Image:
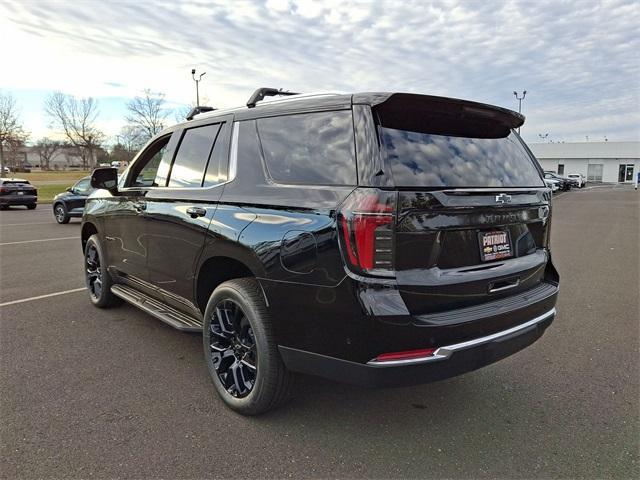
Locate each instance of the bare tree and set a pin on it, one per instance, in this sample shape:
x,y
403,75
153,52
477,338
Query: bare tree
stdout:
x,y
46,149
148,113
130,139
76,119
12,133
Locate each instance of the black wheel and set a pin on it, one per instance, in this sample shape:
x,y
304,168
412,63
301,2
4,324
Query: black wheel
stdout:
x,y
240,351
3,207
32,206
97,277
60,212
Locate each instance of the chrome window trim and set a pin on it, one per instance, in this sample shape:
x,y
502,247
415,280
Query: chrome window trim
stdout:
x,y
443,353
231,173
233,154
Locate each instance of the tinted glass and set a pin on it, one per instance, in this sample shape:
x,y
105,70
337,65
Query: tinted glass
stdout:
x,y
151,160
428,160
311,148
217,167
193,153
83,186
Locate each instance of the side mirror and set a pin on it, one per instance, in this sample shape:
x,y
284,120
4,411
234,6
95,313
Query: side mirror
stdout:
x,y
105,178
68,189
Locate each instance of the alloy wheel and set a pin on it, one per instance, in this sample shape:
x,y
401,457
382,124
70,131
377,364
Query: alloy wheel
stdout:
x,y
233,348
59,214
94,274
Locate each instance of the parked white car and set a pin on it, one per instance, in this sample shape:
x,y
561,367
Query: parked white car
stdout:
x,y
554,185
579,177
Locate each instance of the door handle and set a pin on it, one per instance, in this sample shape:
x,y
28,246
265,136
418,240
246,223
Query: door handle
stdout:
x,y
195,212
140,206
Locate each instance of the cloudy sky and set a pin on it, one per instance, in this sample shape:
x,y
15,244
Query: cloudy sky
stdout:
x,y
578,60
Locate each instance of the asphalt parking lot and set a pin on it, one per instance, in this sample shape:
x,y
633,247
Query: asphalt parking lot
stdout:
x,y
115,393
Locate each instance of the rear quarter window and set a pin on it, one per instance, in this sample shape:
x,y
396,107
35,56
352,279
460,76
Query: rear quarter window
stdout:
x,y
310,148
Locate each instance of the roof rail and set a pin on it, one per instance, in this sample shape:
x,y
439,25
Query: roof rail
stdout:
x,y
196,110
260,93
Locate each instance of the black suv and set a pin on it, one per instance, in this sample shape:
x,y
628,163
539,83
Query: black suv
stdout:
x,y
16,191
380,239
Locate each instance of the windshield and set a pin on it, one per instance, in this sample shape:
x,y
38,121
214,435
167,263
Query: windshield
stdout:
x,y
429,160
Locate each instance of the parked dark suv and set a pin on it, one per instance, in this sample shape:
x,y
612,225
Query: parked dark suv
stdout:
x,y
380,239
16,191
70,203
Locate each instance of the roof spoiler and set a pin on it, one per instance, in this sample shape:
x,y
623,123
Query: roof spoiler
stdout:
x,y
449,106
260,93
197,110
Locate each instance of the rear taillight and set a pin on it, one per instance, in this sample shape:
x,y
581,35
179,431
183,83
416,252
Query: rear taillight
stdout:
x,y
3,190
366,222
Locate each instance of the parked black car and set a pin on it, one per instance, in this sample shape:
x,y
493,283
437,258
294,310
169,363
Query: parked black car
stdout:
x,y
17,191
565,183
70,203
380,239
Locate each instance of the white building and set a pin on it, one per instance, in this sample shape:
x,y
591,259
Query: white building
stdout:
x,y
597,161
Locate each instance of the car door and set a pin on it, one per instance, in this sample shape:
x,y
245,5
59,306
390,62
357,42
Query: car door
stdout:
x,y
125,222
79,192
178,214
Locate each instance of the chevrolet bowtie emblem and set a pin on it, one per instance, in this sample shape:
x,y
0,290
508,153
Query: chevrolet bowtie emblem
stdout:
x,y
503,198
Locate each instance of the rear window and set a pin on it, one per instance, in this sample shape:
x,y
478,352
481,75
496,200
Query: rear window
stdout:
x,y
15,182
429,160
311,148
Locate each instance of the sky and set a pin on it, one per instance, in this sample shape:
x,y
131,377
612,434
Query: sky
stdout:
x,y
579,60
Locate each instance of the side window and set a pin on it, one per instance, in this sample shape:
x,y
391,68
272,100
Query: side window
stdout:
x,y
218,162
145,169
312,148
83,186
192,156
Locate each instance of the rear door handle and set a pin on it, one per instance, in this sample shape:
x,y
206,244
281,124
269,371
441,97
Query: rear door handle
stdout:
x,y
195,212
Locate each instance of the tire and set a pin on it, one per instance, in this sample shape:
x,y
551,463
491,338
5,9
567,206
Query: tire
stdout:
x,y
97,277
32,206
240,350
61,214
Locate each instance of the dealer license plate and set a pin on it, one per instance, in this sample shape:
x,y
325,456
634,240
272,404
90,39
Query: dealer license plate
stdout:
x,y
494,245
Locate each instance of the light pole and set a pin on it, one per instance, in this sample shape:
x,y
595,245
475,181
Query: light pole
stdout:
x,y
193,75
524,94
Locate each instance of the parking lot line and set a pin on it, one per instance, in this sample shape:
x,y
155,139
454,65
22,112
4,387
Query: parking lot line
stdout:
x,y
40,240
24,224
55,294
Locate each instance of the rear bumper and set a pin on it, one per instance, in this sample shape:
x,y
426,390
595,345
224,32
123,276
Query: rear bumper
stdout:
x,y
447,361
18,199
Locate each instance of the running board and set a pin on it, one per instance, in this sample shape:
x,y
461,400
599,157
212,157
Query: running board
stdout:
x,y
167,314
